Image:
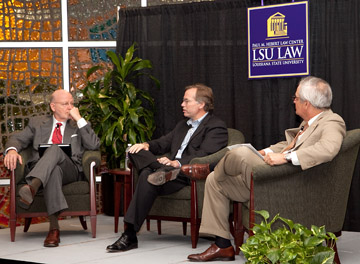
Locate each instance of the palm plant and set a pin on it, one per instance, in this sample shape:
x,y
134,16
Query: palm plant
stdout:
x,y
120,113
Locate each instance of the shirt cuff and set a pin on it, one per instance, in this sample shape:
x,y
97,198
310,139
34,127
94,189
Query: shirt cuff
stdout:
x,y
267,151
179,163
294,158
6,151
81,122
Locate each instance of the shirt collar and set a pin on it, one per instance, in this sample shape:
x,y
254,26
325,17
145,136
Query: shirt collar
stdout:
x,y
55,121
313,119
196,123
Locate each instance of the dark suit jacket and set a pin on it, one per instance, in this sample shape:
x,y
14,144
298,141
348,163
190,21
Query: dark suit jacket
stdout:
x,y
209,137
38,131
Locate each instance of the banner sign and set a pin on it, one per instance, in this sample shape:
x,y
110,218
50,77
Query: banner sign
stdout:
x,y
278,38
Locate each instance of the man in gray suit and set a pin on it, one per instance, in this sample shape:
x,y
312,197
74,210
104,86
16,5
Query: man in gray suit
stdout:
x,y
54,168
317,140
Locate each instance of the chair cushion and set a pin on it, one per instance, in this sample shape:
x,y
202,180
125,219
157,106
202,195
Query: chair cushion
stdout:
x,y
74,188
183,194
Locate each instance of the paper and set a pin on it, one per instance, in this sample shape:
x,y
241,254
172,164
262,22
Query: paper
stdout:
x,y
248,145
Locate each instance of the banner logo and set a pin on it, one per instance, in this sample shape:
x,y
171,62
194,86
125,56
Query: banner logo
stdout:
x,y
278,40
276,26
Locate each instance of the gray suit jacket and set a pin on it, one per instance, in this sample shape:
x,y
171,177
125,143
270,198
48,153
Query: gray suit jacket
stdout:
x,y
38,131
319,143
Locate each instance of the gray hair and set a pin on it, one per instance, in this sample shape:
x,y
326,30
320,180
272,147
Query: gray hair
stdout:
x,y
316,91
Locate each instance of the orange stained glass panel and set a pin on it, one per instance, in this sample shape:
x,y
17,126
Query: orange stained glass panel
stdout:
x,y
24,20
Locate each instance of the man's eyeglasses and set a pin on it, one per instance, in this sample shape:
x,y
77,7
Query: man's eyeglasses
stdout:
x,y
65,104
294,97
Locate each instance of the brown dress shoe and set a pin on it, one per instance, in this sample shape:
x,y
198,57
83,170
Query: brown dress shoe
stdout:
x,y
196,171
53,238
214,253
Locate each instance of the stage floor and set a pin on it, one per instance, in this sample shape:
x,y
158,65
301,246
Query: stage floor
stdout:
x,y
77,245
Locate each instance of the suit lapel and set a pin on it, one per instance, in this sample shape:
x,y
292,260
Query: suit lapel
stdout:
x,y
46,130
69,130
312,128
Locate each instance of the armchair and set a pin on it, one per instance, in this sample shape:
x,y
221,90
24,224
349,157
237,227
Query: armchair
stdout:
x,y
317,196
186,205
80,196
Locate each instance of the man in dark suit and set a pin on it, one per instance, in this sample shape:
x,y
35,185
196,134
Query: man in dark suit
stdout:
x,y
200,135
54,168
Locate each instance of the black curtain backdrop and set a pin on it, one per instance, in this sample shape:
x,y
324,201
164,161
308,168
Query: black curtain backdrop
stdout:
x,y
207,42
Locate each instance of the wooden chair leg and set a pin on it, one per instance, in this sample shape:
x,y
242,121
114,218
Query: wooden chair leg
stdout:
x,y
239,229
147,224
194,219
13,215
159,226
27,224
12,229
93,225
83,222
337,258
184,228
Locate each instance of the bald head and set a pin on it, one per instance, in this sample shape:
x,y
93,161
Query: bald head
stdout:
x,y
58,94
61,102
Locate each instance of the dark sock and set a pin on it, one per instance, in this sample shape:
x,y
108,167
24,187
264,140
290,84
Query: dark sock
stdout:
x,y
212,166
222,242
130,231
35,183
54,222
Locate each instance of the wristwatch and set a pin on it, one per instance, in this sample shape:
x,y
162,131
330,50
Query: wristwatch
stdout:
x,y
288,157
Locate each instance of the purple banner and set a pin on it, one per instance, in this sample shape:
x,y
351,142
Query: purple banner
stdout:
x,y
278,40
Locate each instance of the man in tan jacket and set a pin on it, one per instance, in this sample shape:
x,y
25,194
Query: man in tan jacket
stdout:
x,y
317,140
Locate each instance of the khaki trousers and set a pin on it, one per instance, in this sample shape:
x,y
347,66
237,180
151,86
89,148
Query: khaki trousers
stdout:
x,y
230,181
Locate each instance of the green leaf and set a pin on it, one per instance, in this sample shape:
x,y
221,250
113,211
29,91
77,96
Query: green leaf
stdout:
x,y
92,70
264,214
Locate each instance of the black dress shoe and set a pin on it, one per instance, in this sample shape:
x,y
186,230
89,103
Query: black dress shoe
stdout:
x,y
123,244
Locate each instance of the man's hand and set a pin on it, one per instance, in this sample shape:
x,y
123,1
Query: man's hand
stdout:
x,y
75,114
275,159
167,162
262,152
137,147
11,158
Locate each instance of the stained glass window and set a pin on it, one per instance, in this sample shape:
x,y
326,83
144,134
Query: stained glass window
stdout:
x,y
81,60
23,20
92,20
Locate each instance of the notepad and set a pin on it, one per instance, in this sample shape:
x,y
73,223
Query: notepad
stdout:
x,y
65,147
248,145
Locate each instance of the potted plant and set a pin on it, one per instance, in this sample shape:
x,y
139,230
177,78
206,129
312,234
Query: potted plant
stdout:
x,y
292,243
120,113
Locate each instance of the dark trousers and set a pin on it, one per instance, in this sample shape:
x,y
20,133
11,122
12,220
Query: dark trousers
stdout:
x,y
145,193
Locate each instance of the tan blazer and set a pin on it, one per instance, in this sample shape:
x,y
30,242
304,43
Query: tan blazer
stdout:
x,y
319,143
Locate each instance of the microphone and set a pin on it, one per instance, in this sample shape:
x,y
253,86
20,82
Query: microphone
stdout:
x,y
57,125
189,125
302,128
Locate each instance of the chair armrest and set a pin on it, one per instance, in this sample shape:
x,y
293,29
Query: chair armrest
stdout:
x,y
212,158
88,157
20,168
198,178
266,172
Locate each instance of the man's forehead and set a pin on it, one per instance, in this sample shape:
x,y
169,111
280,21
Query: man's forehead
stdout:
x,y
62,95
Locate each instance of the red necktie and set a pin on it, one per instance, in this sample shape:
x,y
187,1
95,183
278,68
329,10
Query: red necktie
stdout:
x,y
57,137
